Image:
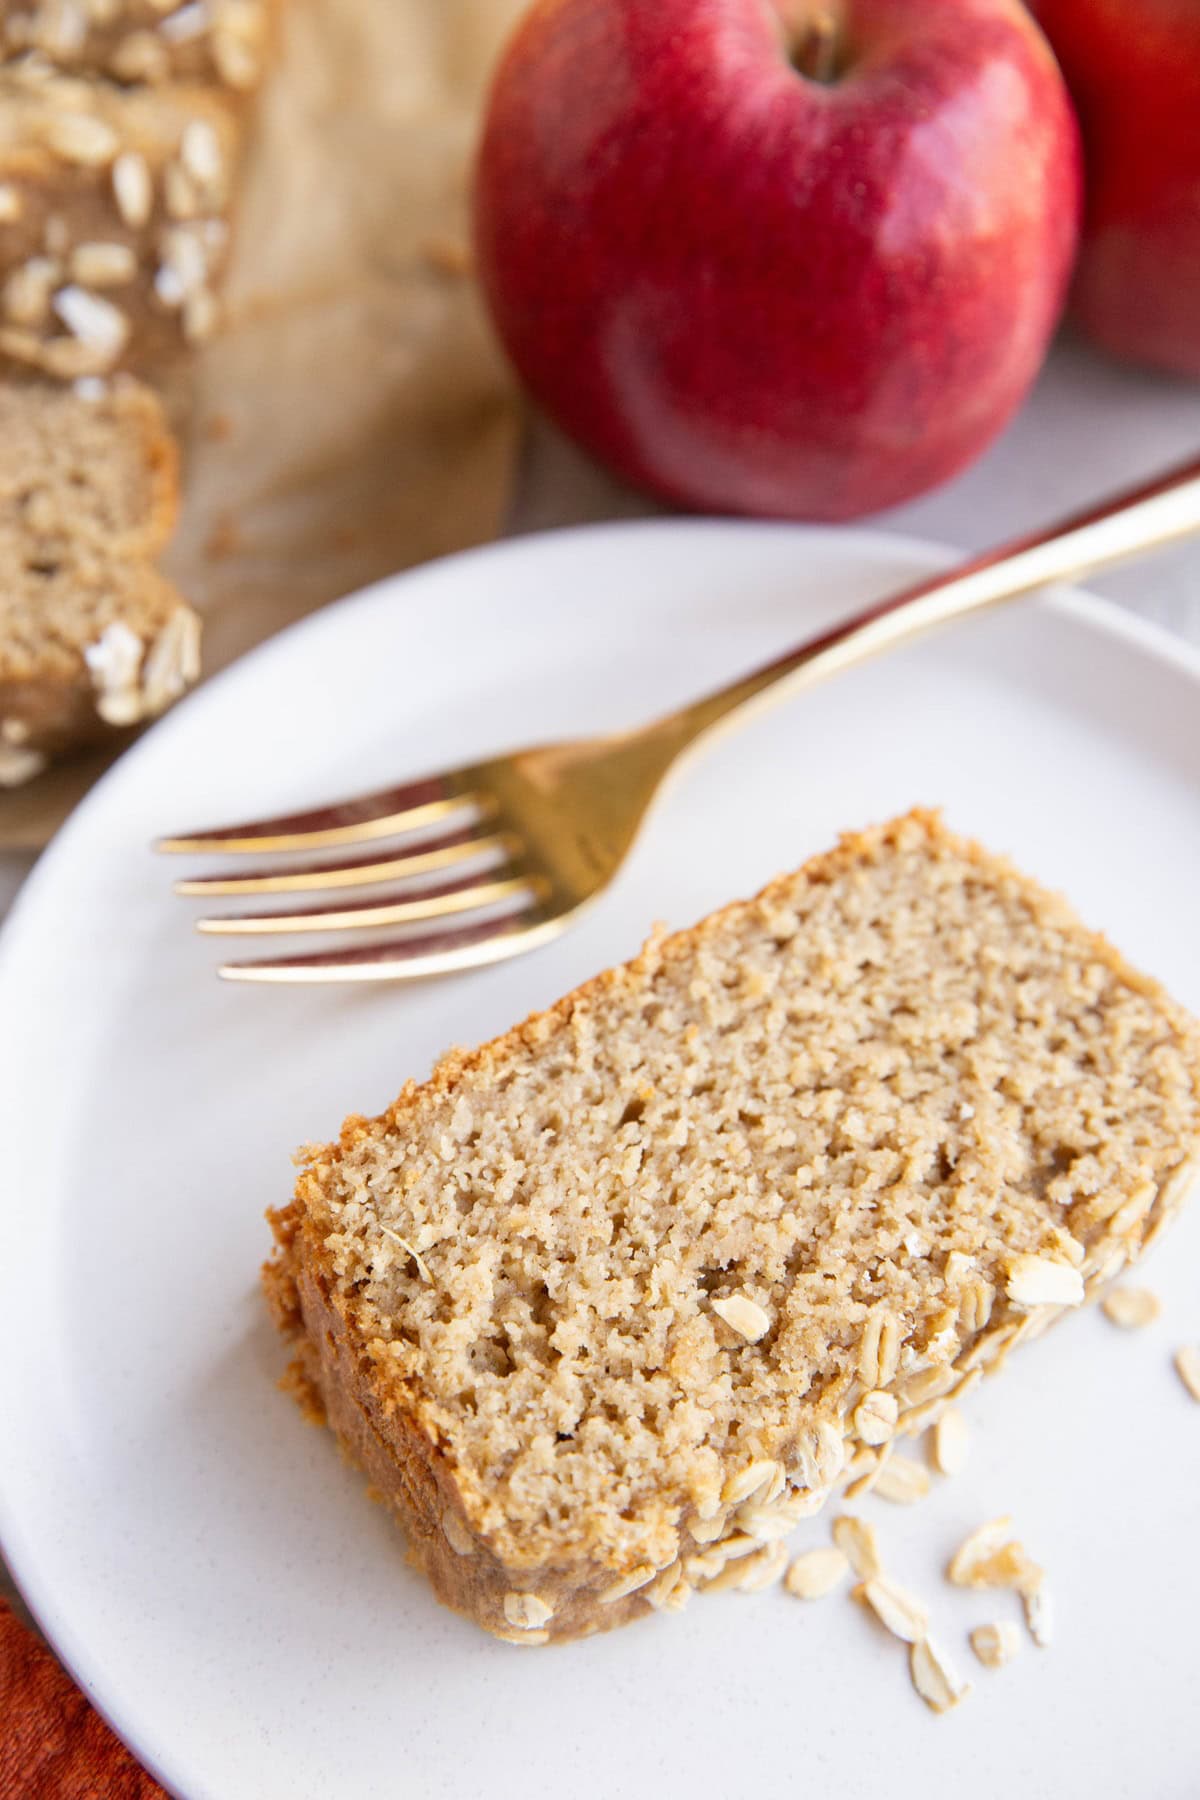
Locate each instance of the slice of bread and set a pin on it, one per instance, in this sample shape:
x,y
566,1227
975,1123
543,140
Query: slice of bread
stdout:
x,y
91,635
114,221
606,1306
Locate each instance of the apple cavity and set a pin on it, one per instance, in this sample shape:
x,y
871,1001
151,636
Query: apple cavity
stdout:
x,y
778,258
1133,67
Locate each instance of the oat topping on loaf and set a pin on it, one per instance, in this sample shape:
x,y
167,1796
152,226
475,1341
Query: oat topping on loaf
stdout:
x,y
628,1285
114,219
144,40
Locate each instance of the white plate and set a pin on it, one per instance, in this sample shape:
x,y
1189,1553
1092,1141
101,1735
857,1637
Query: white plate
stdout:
x,y
214,1575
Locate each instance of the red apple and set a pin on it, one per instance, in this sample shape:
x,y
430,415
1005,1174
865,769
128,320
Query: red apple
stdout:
x,y
1133,67
761,258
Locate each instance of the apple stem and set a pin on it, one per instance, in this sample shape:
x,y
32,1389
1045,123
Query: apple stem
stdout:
x,y
816,55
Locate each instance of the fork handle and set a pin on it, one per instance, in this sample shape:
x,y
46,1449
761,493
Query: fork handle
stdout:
x,y
1128,524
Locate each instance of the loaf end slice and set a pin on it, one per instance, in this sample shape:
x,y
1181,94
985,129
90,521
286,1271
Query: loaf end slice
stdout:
x,y
92,636
606,1306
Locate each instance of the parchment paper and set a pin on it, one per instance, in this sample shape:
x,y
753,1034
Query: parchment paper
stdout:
x,y
356,416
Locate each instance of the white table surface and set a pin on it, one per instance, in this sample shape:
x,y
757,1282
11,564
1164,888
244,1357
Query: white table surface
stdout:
x,y
1089,428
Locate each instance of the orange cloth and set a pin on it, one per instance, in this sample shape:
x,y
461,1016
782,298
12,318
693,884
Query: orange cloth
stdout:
x,y
53,1745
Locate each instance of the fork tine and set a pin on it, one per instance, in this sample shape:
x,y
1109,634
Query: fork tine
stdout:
x,y
446,898
359,821
407,959
426,857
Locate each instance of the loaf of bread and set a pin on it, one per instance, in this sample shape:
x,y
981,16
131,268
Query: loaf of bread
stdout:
x,y
114,220
91,635
220,41
604,1307
121,127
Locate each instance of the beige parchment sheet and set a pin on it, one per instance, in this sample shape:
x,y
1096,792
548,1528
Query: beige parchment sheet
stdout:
x,y
355,417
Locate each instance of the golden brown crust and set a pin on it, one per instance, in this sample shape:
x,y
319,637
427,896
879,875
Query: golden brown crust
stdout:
x,y
388,1423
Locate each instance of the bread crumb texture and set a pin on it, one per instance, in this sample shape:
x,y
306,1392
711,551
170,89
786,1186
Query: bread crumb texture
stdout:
x,y
84,484
92,636
849,1108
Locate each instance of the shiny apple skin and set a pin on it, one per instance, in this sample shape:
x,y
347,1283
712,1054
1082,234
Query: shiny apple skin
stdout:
x,y
749,291
1133,67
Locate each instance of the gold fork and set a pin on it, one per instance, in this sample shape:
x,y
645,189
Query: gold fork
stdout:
x,y
527,841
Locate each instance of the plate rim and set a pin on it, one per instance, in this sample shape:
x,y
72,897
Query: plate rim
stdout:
x,y
1162,646
1110,617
